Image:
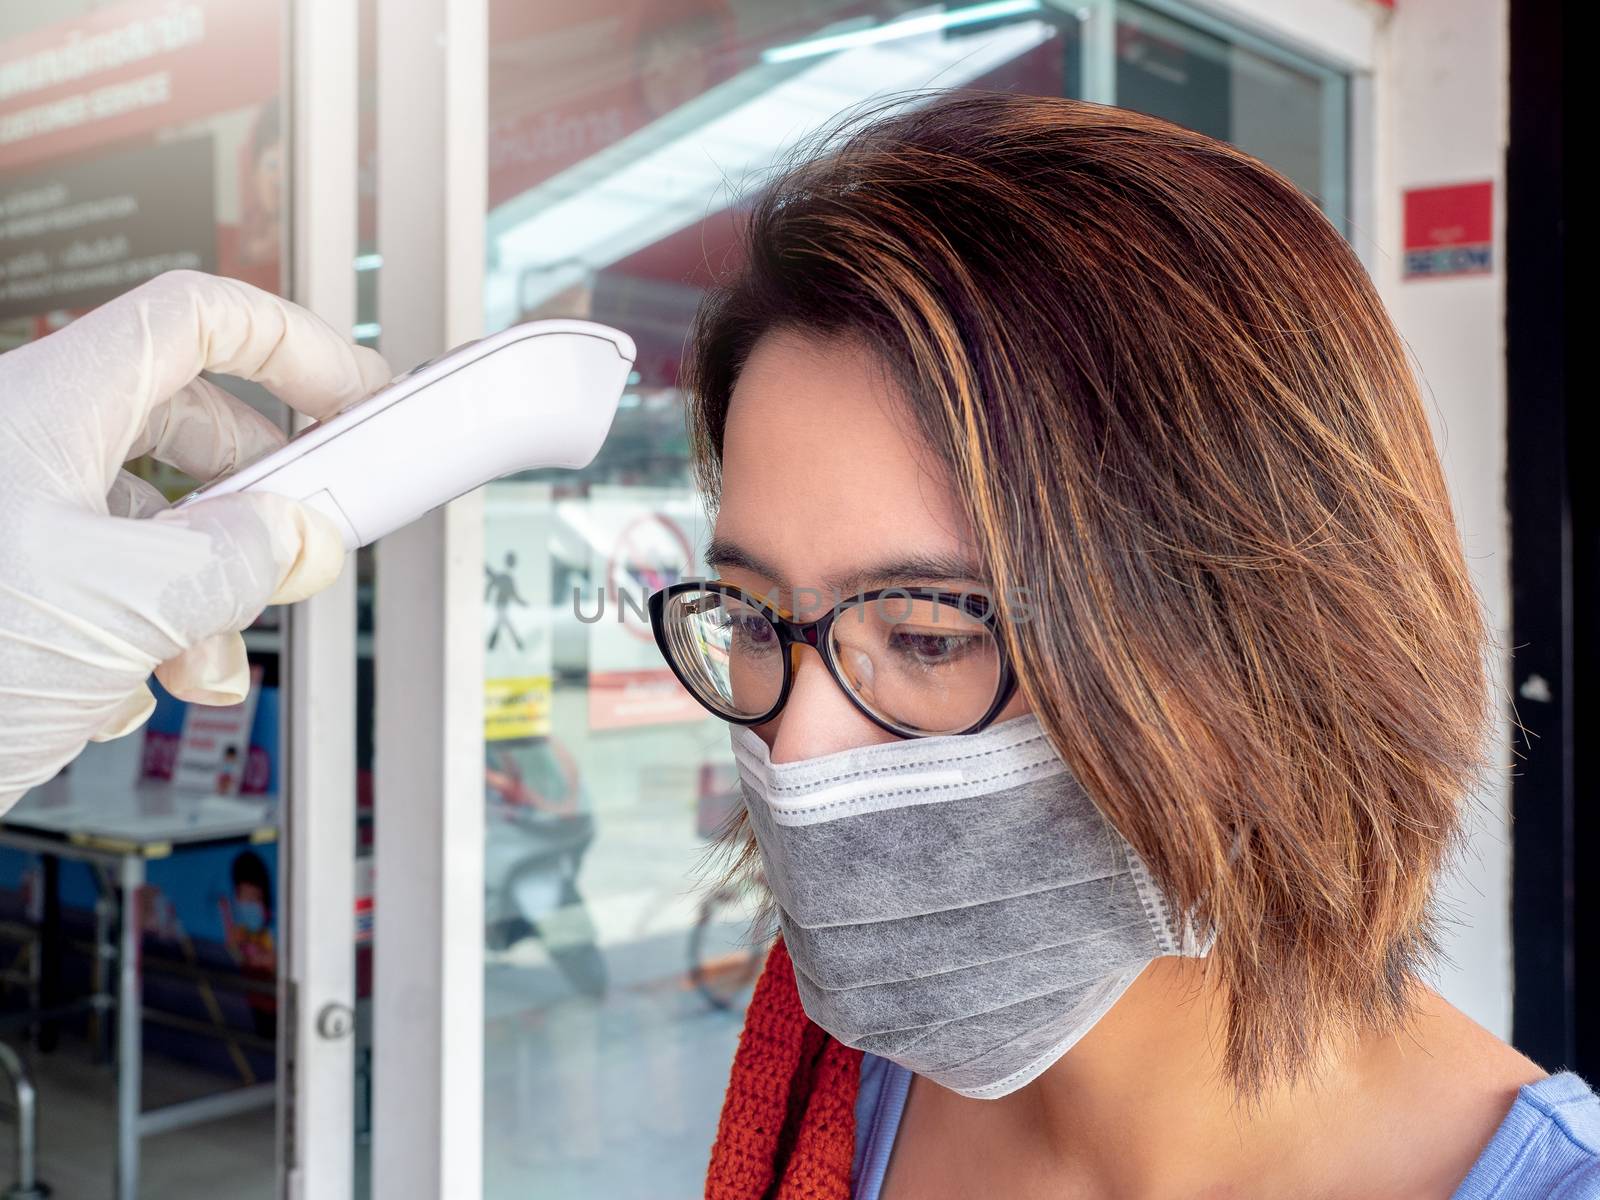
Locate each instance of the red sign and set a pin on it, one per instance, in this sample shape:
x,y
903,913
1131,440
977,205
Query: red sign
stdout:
x,y
648,696
1449,230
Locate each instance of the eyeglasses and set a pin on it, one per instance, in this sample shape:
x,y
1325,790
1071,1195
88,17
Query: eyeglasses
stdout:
x,y
916,661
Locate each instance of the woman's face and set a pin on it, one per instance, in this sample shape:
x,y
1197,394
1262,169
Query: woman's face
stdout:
x,y
826,484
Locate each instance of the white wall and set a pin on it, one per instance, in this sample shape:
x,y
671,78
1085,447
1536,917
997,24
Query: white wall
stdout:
x,y
1434,111
1442,105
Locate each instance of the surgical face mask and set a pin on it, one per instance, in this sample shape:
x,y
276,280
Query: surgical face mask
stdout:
x,y
250,915
955,904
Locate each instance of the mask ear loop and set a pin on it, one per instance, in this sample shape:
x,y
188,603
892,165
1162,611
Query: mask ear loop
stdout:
x,y
1197,943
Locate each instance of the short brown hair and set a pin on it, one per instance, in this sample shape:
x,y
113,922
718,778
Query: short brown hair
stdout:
x,y
1177,413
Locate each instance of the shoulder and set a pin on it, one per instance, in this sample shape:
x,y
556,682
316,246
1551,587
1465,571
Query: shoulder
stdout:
x,y
1548,1145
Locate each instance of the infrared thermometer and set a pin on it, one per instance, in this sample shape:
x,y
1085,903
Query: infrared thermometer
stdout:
x,y
541,394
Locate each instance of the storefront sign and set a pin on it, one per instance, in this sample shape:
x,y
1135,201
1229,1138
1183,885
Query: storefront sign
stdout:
x,y
1449,231
567,81
130,69
75,235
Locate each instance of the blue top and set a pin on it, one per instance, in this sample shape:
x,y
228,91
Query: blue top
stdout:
x,y
879,1103
1547,1148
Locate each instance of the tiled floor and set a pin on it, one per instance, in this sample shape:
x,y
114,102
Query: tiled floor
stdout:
x,y
231,1158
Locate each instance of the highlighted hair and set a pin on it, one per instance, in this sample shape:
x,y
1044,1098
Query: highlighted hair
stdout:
x,y
1179,417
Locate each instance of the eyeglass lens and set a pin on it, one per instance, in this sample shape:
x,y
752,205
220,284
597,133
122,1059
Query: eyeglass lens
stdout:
x,y
925,666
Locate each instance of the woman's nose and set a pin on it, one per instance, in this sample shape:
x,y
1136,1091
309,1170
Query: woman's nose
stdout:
x,y
818,718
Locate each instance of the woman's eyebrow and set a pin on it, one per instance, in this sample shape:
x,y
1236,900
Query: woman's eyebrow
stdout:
x,y
723,554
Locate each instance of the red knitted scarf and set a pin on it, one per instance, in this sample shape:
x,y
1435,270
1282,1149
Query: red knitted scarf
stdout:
x,y
788,1127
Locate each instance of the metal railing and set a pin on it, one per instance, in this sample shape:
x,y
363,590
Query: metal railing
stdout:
x,y
27,1186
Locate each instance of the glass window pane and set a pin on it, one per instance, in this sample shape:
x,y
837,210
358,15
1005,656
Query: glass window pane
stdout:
x,y
615,975
621,139
138,137
1292,117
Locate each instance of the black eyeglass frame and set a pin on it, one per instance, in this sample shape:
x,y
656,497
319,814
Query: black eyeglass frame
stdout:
x,y
814,633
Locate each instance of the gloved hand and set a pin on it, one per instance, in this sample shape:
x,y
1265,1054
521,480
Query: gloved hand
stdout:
x,y
101,584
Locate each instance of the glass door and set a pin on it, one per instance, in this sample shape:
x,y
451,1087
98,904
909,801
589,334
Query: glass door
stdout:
x,y
546,797
620,139
138,137
615,972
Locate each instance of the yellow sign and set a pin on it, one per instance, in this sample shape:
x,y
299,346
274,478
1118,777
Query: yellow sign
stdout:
x,y
516,708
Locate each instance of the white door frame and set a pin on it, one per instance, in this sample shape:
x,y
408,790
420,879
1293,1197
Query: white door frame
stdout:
x,y
317,861
432,90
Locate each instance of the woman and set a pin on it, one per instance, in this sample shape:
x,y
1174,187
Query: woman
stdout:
x,y
1105,681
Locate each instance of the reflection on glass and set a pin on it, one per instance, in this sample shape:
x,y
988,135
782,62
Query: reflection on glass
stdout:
x,y
1291,117
139,137
616,973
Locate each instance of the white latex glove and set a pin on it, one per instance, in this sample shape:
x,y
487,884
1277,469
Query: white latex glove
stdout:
x,y
101,584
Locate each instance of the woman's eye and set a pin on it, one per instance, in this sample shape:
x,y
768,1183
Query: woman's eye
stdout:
x,y
931,649
753,632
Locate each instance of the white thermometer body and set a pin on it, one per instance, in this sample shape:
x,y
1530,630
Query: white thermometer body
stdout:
x,y
541,394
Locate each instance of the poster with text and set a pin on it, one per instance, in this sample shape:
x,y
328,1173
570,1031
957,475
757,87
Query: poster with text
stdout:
x,y
215,741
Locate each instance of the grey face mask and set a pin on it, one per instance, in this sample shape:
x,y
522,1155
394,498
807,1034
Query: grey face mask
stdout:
x,y
955,904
